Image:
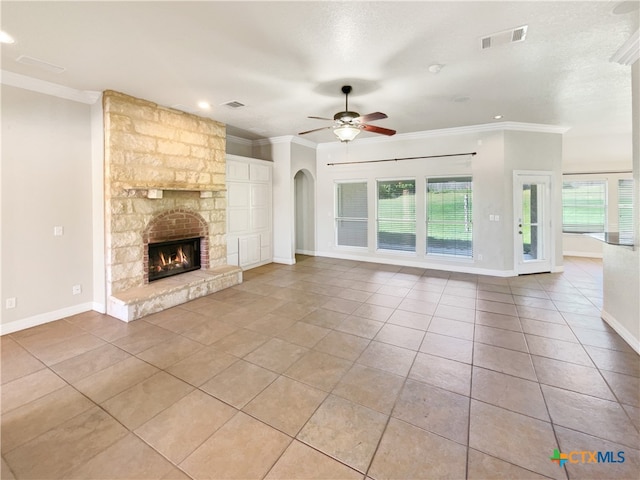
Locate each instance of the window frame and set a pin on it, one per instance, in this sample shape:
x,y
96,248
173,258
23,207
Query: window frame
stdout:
x,y
463,179
605,207
625,206
337,218
398,251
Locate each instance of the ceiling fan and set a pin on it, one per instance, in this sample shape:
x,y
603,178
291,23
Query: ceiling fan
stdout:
x,y
347,125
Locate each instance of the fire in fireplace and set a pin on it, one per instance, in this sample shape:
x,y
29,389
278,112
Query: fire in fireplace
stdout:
x,y
173,258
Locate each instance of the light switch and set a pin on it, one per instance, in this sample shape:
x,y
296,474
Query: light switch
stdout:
x,y
497,218
58,231
491,218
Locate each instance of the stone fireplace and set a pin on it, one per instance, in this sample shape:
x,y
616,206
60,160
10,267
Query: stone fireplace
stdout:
x,y
164,181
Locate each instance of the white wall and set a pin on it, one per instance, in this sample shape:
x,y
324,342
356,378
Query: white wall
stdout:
x,y
239,146
303,172
499,152
621,302
46,182
536,151
278,150
606,151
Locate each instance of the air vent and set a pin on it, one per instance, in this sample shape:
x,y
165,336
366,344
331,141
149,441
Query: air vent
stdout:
x,y
233,104
34,62
505,37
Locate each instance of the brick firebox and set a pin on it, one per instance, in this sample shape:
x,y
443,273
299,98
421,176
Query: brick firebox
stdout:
x,y
176,224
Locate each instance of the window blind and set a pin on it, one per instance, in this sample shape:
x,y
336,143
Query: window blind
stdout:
x,y
625,206
584,206
449,217
351,214
396,222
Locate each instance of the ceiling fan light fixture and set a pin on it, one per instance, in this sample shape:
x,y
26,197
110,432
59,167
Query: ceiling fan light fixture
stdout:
x,y
346,133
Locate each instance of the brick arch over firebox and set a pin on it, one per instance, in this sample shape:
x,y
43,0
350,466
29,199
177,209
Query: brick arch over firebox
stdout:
x,y
176,224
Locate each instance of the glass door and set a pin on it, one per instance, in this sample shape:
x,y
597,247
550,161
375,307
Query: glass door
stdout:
x,y
532,193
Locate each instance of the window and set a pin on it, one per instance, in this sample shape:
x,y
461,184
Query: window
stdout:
x,y
584,206
351,214
449,217
397,215
625,206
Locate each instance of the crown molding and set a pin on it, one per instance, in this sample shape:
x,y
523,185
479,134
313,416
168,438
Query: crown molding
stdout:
x,y
284,139
272,140
629,53
304,142
48,88
240,141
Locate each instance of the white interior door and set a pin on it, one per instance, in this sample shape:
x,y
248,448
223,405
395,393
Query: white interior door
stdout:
x,y
532,216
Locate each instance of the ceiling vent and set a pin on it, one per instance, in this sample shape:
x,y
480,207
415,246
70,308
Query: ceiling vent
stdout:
x,y
505,37
34,62
233,104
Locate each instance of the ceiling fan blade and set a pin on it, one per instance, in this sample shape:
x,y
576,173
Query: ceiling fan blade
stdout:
x,y
314,130
370,117
322,118
375,129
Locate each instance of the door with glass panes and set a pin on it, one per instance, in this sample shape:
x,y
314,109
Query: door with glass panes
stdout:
x,y
532,222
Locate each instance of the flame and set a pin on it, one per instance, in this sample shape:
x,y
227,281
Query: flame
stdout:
x,y
168,261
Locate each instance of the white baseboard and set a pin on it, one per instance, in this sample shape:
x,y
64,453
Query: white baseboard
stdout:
x,y
43,318
571,253
306,252
99,307
621,330
285,261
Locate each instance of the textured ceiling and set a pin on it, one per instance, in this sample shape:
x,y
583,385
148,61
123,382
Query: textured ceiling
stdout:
x,y
288,60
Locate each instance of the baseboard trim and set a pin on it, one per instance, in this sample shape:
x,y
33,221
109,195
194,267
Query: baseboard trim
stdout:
x,y
285,261
311,253
621,330
571,253
43,318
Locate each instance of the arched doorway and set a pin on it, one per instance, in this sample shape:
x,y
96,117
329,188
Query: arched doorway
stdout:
x,y
304,197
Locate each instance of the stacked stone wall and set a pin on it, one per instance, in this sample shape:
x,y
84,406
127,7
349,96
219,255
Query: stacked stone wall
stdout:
x,y
150,147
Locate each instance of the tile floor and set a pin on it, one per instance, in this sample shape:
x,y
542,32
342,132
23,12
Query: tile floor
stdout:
x,y
331,369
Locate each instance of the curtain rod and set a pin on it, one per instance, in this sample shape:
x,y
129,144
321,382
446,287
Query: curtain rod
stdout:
x,y
405,158
599,173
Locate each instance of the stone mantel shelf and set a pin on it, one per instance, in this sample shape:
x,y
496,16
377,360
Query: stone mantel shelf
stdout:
x,y
158,192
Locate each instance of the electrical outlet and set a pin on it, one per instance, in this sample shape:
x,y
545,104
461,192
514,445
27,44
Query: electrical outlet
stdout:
x,y
58,231
76,289
10,302
479,257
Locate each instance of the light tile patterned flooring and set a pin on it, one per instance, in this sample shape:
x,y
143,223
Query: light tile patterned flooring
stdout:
x,y
331,369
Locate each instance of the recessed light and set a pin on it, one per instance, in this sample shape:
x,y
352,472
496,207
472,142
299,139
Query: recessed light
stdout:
x,y
435,68
204,105
497,117
460,99
6,38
